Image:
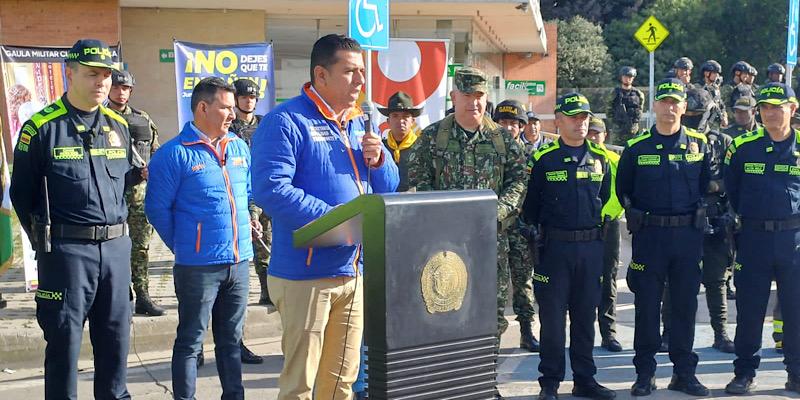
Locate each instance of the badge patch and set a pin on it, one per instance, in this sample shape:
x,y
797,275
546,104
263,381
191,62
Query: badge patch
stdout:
x,y
113,139
68,153
598,166
694,148
648,159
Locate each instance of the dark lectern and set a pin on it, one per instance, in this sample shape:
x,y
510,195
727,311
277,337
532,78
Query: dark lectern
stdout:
x,y
430,289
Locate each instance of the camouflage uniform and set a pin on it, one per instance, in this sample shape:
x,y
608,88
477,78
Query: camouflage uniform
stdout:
x,y
520,265
140,230
624,113
473,161
718,113
245,131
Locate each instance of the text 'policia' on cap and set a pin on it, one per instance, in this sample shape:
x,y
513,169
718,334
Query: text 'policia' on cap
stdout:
x,y
671,88
776,93
92,53
572,104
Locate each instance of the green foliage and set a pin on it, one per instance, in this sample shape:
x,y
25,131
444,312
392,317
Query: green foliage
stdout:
x,y
601,12
724,30
583,59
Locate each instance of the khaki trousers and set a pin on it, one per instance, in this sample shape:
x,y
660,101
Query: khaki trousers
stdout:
x,y
321,347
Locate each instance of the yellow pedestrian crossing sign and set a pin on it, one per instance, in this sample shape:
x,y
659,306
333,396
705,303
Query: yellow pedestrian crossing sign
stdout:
x,y
651,34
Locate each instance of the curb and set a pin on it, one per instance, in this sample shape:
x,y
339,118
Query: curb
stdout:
x,y
25,348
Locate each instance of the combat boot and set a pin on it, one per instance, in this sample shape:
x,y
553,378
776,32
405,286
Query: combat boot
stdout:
x,y
264,299
723,343
146,306
526,339
248,357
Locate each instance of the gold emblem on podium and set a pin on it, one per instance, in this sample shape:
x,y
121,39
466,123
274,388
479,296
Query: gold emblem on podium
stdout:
x,y
444,282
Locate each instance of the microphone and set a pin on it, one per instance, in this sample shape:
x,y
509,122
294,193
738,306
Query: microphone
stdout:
x,y
366,106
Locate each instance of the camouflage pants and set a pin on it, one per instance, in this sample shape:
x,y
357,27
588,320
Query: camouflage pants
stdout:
x,y
261,260
502,282
619,134
520,266
140,232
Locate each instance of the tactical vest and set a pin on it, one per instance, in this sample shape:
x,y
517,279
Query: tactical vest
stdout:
x,y
245,130
141,138
443,139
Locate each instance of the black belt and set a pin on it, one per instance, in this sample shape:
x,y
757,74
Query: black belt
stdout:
x,y
585,235
668,221
771,225
96,232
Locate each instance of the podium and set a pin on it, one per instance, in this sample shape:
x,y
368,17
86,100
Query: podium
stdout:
x,y
430,288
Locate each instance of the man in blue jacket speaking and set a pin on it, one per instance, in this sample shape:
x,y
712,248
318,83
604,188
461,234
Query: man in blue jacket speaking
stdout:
x,y
197,199
311,154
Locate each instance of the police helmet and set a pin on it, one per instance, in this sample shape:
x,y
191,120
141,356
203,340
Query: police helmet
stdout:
x,y
683,63
712,66
740,66
776,69
627,71
245,87
752,70
122,78
510,109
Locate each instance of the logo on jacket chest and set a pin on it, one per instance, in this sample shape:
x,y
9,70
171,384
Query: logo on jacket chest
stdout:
x,y
322,133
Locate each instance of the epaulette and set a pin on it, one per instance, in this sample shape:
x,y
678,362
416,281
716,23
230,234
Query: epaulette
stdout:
x,y
748,137
695,134
546,148
636,139
49,113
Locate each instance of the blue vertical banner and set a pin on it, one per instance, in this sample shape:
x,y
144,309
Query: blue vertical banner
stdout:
x,y
791,34
230,62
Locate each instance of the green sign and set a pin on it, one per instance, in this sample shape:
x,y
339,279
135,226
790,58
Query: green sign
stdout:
x,y
451,69
534,88
166,55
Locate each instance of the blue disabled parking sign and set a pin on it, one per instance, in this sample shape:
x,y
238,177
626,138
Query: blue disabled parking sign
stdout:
x,y
368,23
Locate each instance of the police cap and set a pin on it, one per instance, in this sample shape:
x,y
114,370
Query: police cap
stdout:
x,y
572,104
92,53
745,103
776,93
670,87
597,124
510,109
532,116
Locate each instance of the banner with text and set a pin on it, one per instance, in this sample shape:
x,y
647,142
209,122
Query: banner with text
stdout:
x,y
33,77
194,62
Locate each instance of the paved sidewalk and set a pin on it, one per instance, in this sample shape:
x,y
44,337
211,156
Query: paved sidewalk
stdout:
x,y
22,344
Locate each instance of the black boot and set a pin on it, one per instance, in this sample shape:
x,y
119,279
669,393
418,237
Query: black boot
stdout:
x,y
264,299
643,386
146,306
687,384
723,343
740,385
526,339
593,390
611,344
248,357
548,393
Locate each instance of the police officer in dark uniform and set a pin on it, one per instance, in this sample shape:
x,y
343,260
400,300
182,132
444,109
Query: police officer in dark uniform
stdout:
x,y
568,193
70,170
625,107
763,180
662,176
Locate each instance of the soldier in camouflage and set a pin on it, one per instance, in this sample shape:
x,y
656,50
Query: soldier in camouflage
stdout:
x,y
467,150
775,73
742,77
683,70
625,107
144,140
510,114
244,126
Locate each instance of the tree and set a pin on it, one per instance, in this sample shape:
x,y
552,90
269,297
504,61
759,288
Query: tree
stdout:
x,y
725,30
583,59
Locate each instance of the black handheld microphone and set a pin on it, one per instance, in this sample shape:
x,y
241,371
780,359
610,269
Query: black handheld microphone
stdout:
x,y
366,107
